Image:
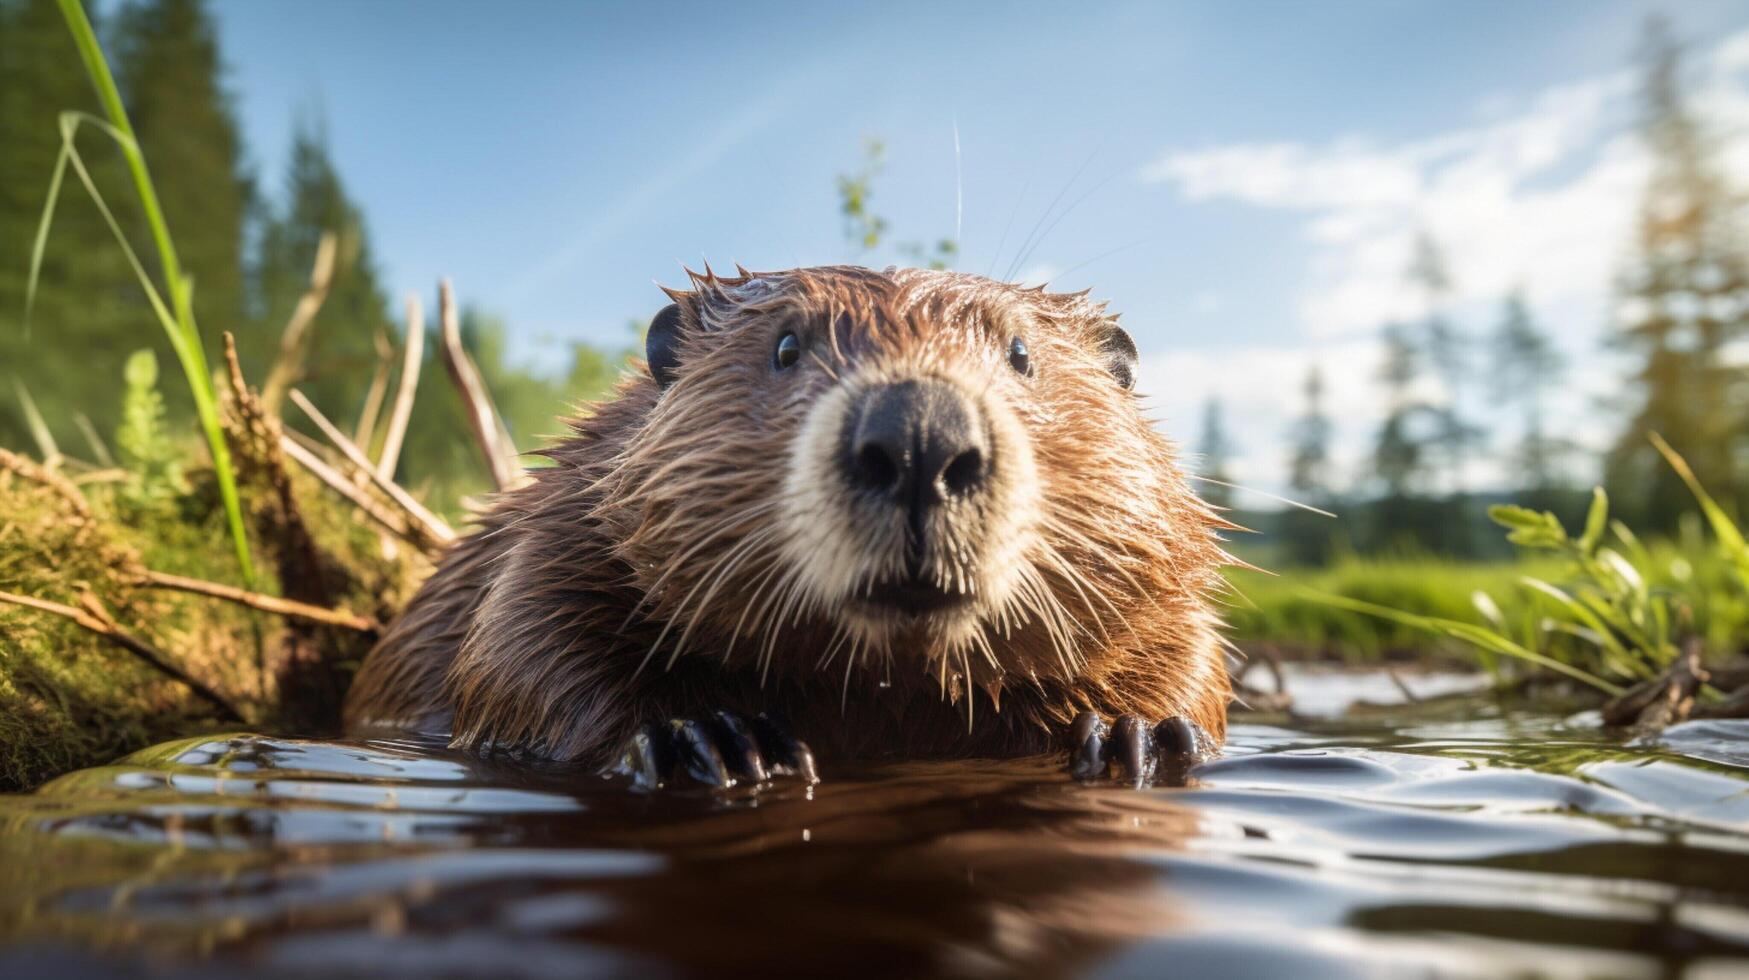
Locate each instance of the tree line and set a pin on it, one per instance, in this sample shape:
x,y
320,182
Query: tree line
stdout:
x,y
1680,303
251,253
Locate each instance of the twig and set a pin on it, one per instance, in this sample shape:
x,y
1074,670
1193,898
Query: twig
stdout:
x,y
1402,688
433,526
91,615
98,448
389,520
289,366
482,415
101,476
39,429
403,410
1665,699
266,603
379,387
38,473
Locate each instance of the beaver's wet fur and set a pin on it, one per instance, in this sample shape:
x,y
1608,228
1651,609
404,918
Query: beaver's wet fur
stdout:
x,y
726,533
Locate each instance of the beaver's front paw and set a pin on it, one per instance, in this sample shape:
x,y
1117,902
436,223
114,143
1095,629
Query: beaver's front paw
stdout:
x,y
720,751
1145,753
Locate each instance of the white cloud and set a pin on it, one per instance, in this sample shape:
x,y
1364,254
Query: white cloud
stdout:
x,y
1539,196
1260,390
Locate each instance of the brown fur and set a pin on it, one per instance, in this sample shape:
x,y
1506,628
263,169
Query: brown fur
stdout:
x,y
640,578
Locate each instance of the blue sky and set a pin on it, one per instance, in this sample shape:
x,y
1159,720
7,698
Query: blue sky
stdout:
x,y
1244,178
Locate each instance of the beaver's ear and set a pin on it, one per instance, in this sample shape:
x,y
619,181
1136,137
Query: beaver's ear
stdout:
x,y
1118,352
662,345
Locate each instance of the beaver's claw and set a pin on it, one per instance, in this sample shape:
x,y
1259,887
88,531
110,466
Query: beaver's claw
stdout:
x,y
721,751
1145,753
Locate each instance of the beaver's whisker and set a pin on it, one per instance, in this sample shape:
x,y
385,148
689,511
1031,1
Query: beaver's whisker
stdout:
x,y
1075,581
759,587
824,366
1063,528
849,667
1024,248
730,525
681,606
1050,616
966,679
839,637
719,574
1064,626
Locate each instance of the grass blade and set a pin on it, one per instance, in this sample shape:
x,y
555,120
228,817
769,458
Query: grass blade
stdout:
x,y
1469,633
184,335
1725,528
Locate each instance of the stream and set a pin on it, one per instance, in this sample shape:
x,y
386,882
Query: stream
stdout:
x,y
1453,837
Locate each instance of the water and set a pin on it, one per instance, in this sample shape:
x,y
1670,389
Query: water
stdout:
x,y
1453,839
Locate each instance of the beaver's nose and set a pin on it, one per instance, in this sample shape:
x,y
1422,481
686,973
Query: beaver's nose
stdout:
x,y
917,443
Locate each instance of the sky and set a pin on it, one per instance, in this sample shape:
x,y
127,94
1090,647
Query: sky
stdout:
x,y
1243,182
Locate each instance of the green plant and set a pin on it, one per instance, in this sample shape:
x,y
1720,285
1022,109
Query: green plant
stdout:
x,y
176,317
154,465
866,230
1620,611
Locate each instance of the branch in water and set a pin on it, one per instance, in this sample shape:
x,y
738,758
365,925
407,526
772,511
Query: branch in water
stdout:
x,y
92,616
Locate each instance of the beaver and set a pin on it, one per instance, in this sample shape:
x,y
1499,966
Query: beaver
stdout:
x,y
892,514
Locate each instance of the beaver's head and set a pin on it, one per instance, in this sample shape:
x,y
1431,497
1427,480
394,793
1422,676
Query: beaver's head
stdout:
x,y
901,469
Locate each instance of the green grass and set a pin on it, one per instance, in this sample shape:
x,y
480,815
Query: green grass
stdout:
x,y
1286,609
176,317
1599,605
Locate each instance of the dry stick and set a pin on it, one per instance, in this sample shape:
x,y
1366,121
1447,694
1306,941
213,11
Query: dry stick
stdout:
x,y
379,387
482,416
99,450
388,519
403,410
285,607
96,619
288,366
434,527
37,473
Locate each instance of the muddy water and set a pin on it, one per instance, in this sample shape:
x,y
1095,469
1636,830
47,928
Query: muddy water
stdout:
x,y
1460,841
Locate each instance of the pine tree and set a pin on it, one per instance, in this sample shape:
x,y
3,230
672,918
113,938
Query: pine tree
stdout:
x,y
1526,365
1684,298
1398,456
1306,537
170,74
1309,466
341,355
1447,354
1215,449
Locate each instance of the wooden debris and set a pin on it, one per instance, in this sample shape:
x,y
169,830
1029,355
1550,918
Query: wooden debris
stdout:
x,y
482,414
288,367
1664,700
433,528
402,413
266,603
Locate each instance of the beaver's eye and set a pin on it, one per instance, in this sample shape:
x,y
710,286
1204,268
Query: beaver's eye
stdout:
x,y
1019,357
789,351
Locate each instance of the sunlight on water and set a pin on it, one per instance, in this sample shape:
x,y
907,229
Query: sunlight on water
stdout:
x,y
1458,841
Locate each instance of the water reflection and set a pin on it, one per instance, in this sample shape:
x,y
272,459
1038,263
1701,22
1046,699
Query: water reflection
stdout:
x,y
1457,843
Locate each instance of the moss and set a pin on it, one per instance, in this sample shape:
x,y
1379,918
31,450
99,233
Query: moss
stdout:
x,y
69,698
